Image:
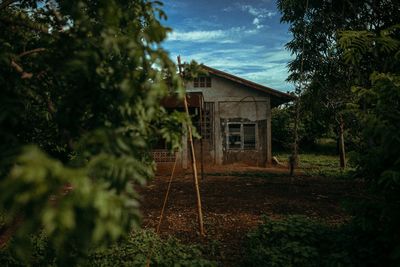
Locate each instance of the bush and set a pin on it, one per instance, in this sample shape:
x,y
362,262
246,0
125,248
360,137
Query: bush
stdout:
x,y
299,241
296,241
133,251
281,124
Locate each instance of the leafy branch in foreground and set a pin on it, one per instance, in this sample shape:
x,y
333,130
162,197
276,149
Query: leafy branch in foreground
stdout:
x,y
79,107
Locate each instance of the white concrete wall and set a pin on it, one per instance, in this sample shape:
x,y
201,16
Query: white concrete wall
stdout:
x,y
226,90
247,109
232,101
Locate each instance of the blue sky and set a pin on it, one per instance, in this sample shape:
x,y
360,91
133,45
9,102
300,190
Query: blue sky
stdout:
x,y
242,37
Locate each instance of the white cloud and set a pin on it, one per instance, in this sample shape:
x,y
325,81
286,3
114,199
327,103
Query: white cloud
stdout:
x,y
227,9
199,36
196,23
257,23
278,55
252,10
272,77
259,14
267,68
231,35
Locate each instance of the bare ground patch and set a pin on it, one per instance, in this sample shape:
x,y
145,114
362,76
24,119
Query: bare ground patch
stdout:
x,y
234,203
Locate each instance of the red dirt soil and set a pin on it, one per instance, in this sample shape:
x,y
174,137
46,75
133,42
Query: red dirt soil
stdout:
x,y
234,202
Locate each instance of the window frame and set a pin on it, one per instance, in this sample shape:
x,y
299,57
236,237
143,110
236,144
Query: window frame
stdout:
x,y
241,134
202,82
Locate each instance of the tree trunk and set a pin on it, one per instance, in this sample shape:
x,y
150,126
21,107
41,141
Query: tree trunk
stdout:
x,y
342,153
294,158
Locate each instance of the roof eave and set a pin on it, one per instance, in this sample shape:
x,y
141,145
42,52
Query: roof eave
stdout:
x,y
283,97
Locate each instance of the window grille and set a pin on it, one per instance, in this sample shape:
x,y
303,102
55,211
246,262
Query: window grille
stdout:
x,y
208,123
241,136
202,81
249,136
235,136
163,155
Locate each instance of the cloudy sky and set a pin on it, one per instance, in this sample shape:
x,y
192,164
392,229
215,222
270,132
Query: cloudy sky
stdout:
x,y
242,37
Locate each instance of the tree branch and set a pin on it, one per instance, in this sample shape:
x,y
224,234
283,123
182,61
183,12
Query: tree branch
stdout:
x,y
36,50
19,69
6,3
9,231
22,23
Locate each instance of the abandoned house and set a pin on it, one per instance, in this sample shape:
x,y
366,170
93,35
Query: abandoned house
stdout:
x,y
233,116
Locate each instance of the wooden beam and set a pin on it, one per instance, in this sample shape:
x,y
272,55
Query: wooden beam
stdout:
x,y
193,157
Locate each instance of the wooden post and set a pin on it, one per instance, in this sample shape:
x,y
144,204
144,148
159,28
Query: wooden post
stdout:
x,y
193,157
201,140
342,153
268,141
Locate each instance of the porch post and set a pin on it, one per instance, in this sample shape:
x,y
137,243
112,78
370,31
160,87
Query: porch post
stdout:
x,y
217,133
184,152
268,159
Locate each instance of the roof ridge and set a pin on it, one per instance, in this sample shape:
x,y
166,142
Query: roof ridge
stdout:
x,y
249,83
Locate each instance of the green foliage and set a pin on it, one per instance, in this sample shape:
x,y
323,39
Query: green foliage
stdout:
x,y
320,58
299,241
357,44
192,70
41,253
81,84
351,71
378,109
281,123
133,251
295,241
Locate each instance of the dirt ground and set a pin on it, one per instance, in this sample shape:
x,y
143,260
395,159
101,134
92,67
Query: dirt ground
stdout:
x,y
234,201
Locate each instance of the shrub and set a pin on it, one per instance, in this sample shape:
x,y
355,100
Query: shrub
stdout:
x,y
133,251
296,241
299,241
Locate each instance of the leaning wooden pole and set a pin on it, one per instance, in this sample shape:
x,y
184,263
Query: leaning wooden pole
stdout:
x,y
193,157
201,139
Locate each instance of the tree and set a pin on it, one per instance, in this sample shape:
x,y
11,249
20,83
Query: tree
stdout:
x,y
81,83
315,26
378,109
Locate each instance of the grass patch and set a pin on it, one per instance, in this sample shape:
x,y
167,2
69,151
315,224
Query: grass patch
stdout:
x,y
314,164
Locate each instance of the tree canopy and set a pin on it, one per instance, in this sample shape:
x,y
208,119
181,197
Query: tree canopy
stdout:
x,y
351,68
320,62
81,83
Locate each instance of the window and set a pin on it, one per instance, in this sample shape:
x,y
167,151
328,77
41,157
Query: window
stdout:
x,y
208,81
235,136
202,81
241,136
249,136
208,124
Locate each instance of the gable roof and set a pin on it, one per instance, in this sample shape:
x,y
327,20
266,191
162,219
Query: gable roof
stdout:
x,y
277,97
